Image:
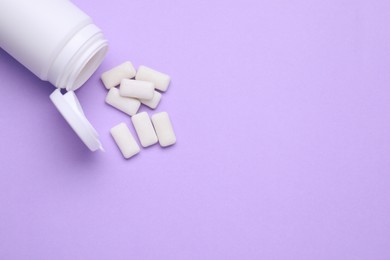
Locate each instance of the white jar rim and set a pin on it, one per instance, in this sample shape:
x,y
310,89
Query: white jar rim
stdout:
x,y
79,58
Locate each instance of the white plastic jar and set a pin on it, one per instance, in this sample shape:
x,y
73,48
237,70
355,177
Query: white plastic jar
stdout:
x,y
58,43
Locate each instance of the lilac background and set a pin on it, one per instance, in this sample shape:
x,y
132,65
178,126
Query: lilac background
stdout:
x,y
281,110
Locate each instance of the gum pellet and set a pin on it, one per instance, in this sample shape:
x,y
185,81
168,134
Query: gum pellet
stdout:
x,y
125,140
152,103
127,105
144,128
164,130
136,89
113,77
160,80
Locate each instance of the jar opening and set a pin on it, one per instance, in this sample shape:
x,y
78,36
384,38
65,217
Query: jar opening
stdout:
x,y
79,58
90,67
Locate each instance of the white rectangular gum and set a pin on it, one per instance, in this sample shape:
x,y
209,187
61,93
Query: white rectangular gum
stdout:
x,y
164,130
152,103
125,140
144,128
113,77
161,81
127,105
136,89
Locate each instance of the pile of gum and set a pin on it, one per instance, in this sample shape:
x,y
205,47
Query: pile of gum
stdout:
x,y
128,99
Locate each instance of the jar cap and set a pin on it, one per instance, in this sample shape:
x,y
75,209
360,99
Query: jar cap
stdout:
x,y
69,107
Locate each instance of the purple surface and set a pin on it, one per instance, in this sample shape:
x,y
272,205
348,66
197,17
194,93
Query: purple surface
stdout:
x,y
281,110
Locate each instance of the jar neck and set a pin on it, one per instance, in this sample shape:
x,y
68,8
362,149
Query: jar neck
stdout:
x,y
79,58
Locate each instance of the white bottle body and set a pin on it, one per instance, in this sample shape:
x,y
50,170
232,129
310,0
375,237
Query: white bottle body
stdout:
x,y
52,38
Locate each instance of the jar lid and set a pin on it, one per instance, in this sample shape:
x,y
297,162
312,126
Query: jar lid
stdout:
x,y
69,107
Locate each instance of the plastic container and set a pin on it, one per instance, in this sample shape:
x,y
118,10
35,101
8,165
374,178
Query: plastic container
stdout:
x,y
59,43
